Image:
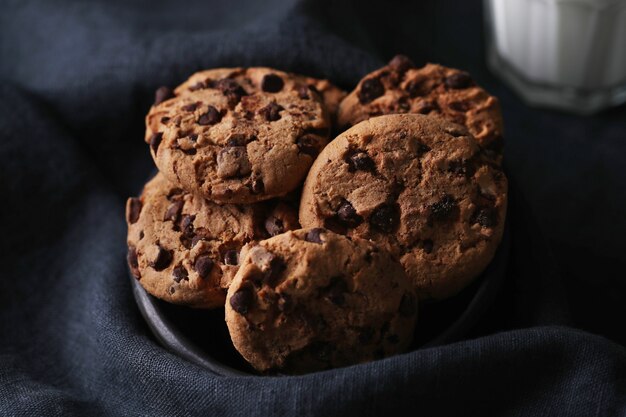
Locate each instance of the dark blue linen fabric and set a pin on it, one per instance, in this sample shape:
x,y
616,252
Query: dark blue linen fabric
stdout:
x,y
77,79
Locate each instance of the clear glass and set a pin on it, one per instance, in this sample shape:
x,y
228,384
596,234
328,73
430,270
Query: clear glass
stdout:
x,y
566,54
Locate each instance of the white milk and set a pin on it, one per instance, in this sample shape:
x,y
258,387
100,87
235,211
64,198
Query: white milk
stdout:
x,y
575,45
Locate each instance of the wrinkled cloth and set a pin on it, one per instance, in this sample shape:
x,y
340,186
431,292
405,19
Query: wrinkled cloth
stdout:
x,y
77,80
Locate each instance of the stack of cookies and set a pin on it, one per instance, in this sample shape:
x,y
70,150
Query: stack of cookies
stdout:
x,y
319,249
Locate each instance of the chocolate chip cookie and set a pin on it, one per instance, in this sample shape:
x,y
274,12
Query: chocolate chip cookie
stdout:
x,y
185,249
400,87
418,186
310,300
239,136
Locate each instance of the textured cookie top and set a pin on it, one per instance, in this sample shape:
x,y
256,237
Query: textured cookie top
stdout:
x,y
399,87
311,299
331,95
419,187
245,135
185,249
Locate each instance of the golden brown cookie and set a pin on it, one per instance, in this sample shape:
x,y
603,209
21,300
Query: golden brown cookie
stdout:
x,y
310,300
240,136
400,87
420,188
185,249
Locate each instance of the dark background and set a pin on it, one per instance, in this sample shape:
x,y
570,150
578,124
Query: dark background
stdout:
x,y
76,81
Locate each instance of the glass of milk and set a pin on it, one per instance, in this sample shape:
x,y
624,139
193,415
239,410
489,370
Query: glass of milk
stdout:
x,y
566,54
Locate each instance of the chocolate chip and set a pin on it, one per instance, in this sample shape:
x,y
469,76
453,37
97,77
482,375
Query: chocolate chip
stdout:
x,y
314,235
186,225
308,145
231,89
232,161
408,305
190,107
237,139
231,257
162,259
155,141
274,271
173,211
134,209
191,151
133,262
241,300
285,303
417,88
203,266
194,241
458,80
443,209
401,63
427,245
162,94
172,290
303,92
385,218
257,186
197,86
460,106
359,160
461,167
426,106
274,226
165,119
335,225
180,273
486,217
272,83
348,215
335,291
371,89
422,149
141,235
211,117
271,112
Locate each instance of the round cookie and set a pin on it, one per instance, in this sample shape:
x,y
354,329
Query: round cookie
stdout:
x,y
246,135
310,299
185,249
400,87
420,188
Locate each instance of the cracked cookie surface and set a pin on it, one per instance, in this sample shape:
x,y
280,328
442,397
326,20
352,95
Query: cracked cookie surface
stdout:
x,y
310,299
237,135
330,94
419,187
400,87
185,249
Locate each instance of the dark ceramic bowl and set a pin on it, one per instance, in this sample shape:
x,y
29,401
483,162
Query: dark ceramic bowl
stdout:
x,y
201,336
